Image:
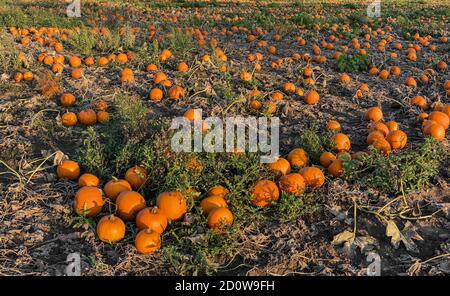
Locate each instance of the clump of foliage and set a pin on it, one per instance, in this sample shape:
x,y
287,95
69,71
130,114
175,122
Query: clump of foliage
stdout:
x,y
292,207
83,42
304,19
315,142
353,63
9,57
404,171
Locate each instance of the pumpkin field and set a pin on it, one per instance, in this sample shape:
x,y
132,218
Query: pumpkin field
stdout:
x,y
87,165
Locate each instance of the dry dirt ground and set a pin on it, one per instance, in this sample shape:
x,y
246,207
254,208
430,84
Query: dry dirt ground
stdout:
x,y
39,229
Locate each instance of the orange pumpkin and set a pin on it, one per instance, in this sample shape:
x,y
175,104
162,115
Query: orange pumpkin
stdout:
x,y
264,192
220,218
67,100
280,167
68,169
110,229
176,92
326,159
211,202
136,176
313,177
69,119
147,241
440,117
374,114
397,139
151,218
88,201
88,180
341,142
298,157
87,117
312,97
128,204
172,204
116,186
292,184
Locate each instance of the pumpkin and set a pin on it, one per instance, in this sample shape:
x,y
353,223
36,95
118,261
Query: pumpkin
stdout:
x,y
298,157
411,82
27,76
434,130
18,77
87,117
68,169
122,58
88,180
373,114
312,97
379,126
341,142
136,176
116,186
397,139
220,218
193,114
384,75
102,116
147,241
383,146
276,96
75,61
313,177
89,61
344,78
289,88
126,75
110,229
245,76
374,136
326,158
211,202
336,168
334,125
218,190
392,126
440,117
103,61
88,201
264,192
69,119
156,94
292,184
76,73
67,100
128,204
101,105
165,55
151,67
307,72
280,167
395,71
176,92
151,218
182,67
172,204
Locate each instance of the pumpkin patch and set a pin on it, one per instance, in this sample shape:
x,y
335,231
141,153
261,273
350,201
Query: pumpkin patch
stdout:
x,y
354,157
